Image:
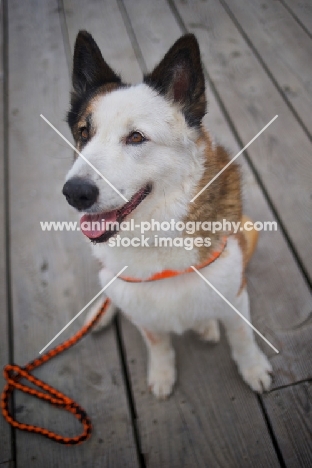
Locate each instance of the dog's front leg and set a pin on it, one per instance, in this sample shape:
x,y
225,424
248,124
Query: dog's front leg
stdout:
x,y
161,373
252,364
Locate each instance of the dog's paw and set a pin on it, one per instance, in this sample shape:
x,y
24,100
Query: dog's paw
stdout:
x,y
106,318
161,381
210,331
257,372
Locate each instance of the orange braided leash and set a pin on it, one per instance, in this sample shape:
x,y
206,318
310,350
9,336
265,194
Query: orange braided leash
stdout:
x,y
14,373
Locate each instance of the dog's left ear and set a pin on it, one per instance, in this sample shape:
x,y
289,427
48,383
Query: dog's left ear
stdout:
x,y
179,76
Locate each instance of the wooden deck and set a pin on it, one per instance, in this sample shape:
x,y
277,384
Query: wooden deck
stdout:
x,y
258,63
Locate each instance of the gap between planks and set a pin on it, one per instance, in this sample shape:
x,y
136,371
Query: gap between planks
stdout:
x,y
8,341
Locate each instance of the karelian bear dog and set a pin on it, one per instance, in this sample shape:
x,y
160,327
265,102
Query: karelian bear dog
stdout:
x,y
146,157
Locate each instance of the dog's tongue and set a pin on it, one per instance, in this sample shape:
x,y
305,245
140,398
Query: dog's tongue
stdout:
x,y
94,225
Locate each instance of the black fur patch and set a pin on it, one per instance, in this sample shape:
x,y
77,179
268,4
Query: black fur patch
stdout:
x,y
179,76
90,72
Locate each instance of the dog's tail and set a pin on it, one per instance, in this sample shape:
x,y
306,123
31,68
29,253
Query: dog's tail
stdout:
x,y
251,238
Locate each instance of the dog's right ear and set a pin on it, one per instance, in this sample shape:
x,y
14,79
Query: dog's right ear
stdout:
x,y
89,68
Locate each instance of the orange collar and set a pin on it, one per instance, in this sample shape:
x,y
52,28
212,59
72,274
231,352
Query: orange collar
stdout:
x,y
170,273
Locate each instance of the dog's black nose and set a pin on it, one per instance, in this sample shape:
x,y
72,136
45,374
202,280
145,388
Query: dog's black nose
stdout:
x,y
80,193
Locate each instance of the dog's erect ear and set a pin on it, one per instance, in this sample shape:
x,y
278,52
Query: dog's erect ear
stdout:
x,y
89,68
179,76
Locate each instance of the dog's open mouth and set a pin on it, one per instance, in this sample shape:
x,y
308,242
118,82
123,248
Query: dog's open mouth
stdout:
x,y
99,227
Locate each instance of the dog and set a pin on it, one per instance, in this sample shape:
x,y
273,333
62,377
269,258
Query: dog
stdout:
x,y
150,156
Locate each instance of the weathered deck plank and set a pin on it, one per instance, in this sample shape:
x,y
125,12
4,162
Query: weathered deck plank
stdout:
x,y
282,154
52,274
302,10
5,431
283,48
290,414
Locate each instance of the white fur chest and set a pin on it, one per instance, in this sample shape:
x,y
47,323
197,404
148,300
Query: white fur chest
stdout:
x,y
178,304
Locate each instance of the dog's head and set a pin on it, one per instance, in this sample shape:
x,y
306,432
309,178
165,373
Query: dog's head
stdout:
x,y
137,142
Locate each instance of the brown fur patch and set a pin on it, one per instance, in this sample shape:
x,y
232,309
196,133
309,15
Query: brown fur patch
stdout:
x,y
243,247
251,239
221,200
247,242
84,118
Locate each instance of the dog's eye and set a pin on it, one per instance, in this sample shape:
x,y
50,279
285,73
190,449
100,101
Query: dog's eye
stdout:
x,y
84,133
135,138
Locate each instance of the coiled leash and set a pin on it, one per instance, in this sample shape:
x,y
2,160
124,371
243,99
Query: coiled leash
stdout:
x,y
14,373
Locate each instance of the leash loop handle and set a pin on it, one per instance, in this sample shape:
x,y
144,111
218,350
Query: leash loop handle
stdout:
x,y
14,373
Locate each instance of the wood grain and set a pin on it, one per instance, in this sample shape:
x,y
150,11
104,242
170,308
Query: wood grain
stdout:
x,y
289,411
282,154
5,430
302,10
53,275
284,49
104,21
